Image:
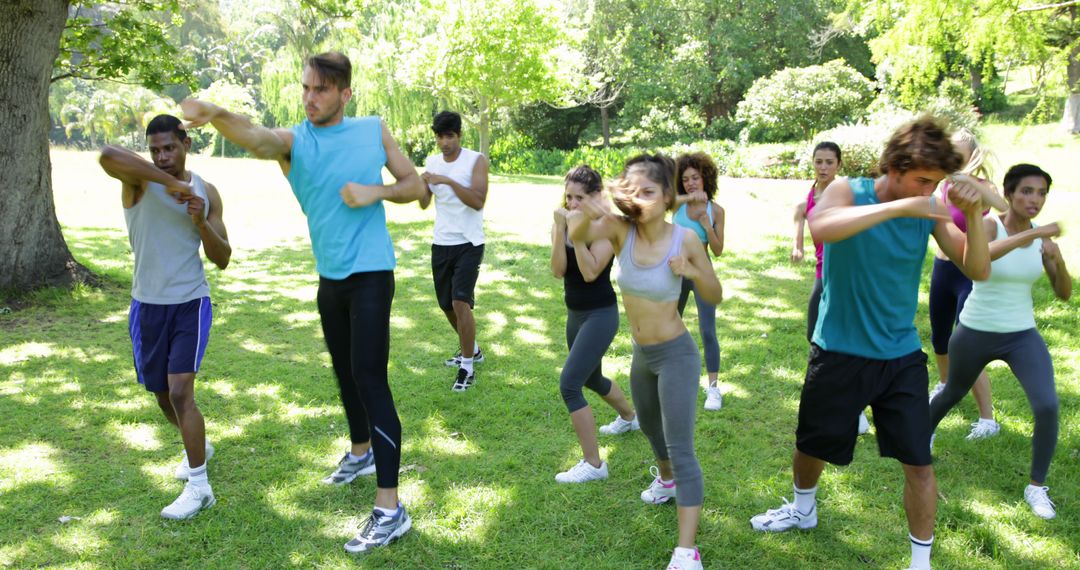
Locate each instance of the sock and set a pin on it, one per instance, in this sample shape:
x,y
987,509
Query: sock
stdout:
x,y
691,553
920,552
385,513
354,458
475,348
987,421
466,363
666,483
805,499
197,476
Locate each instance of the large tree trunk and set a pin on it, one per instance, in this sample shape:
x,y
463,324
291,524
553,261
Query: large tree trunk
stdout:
x,y
32,249
605,126
1070,120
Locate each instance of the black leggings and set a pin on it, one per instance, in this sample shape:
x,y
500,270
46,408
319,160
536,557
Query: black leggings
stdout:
x,y
812,309
949,289
355,315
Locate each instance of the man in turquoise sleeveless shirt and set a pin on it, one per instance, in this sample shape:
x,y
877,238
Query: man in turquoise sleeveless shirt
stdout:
x,y
334,165
865,348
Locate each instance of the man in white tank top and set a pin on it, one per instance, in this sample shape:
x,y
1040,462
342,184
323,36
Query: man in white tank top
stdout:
x,y
170,213
458,179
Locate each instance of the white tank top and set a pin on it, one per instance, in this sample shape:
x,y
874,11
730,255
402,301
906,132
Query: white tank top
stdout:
x,y
1002,303
455,222
168,267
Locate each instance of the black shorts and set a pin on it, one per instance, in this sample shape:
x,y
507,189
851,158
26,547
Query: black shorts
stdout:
x,y
838,387
454,269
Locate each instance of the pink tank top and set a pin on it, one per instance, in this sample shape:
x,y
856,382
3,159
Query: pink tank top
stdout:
x,y
819,248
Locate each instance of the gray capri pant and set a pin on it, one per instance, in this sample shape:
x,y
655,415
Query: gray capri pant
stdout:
x,y
1026,354
664,385
588,336
706,324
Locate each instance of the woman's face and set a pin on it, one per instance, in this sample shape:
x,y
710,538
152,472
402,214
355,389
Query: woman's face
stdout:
x,y
692,180
575,194
1029,197
825,165
648,194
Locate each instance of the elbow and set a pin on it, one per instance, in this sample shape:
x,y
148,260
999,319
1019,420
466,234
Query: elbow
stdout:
x,y
108,155
980,273
589,276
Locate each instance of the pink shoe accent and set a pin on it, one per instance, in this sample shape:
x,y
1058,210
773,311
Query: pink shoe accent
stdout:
x,y
665,485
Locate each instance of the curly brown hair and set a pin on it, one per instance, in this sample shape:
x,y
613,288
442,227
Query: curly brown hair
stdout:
x,y
657,168
702,163
922,144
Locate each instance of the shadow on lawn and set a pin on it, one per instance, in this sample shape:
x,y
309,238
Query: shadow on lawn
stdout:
x,y
478,466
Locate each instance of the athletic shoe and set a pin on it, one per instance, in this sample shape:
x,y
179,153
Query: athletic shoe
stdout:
x,y
1040,501
714,399
620,426
685,561
348,470
983,429
183,470
785,518
864,424
465,380
583,472
380,530
189,503
455,360
936,390
658,492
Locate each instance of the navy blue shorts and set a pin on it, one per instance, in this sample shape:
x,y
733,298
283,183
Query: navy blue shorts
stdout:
x,y
168,339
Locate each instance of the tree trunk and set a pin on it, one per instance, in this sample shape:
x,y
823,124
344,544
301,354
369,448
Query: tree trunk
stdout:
x,y
605,126
32,249
485,126
1070,119
976,85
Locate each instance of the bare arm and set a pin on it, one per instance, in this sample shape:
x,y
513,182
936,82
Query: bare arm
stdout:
x,y
836,218
406,187
714,232
134,171
1055,268
1000,248
798,252
212,232
593,258
558,244
596,221
969,251
273,144
694,264
473,196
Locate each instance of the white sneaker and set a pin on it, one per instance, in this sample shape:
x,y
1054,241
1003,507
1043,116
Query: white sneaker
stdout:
x,y
183,470
785,518
192,500
685,559
983,429
864,424
1040,501
658,492
620,426
714,399
583,472
936,390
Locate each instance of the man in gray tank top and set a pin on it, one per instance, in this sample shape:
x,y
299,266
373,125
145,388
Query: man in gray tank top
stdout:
x,y
170,212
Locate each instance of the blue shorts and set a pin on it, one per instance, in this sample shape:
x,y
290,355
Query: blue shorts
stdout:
x,y
168,339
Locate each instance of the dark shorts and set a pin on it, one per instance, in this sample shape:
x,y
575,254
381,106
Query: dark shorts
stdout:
x,y
838,387
168,339
454,269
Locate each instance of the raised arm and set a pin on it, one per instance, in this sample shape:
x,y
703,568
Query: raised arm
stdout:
x,y
215,239
969,251
406,187
1056,270
836,218
593,258
999,248
798,253
134,171
558,243
693,263
272,144
597,221
714,231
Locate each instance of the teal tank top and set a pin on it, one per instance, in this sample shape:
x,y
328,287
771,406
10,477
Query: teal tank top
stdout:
x,y
682,219
871,286
345,240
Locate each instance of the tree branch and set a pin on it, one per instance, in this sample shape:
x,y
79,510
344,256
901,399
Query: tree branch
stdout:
x,y
1048,6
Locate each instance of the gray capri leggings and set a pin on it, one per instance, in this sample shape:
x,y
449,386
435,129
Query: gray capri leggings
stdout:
x,y
664,385
1026,354
588,336
706,325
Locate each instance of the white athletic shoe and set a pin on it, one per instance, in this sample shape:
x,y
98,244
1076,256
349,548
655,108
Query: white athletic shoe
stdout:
x,y
378,531
1040,501
785,518
184,469
620,426
864,424
936,390
190,502
983,429
714,399
682,560
583,472
658,492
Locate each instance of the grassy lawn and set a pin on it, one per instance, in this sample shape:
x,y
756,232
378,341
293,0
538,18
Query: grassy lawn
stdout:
x,y
80,438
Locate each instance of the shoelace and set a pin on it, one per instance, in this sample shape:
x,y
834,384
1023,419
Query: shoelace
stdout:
x,y
787,508
1041,497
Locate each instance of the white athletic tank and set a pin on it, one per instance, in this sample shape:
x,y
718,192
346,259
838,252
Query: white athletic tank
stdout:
x,y
1002,303
455,223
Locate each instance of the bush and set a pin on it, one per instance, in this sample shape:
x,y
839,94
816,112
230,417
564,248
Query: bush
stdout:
x,y
860,147
796,102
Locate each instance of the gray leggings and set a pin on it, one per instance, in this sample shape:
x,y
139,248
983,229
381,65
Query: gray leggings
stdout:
x,y
706,315
1026,354
588,336
664,385
812,309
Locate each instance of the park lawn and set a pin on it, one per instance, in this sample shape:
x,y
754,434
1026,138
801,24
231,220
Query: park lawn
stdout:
x,y
81,439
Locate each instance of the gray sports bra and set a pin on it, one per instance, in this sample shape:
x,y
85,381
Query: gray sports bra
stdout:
x,y
657,282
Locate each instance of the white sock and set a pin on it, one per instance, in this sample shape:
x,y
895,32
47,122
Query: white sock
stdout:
x,y
691,553
197,476
805,499
466,363
920,552
385,513
475,348
353,457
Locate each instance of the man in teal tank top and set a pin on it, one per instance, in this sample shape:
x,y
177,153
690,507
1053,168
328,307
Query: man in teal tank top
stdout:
x,y
865,348
334,165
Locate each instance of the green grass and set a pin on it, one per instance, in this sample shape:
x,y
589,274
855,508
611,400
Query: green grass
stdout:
x,y
79,437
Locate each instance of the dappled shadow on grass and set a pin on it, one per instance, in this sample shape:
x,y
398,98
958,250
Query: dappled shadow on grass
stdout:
x,y
478,467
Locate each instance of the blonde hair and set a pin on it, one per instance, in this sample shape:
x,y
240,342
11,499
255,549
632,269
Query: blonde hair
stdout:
x,y
978,165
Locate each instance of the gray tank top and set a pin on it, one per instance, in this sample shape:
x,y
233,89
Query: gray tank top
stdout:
x,y
168,267
656,282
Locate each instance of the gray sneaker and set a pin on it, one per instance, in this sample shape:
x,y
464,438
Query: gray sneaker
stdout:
x,y
348,470
464,380
455,360
379,530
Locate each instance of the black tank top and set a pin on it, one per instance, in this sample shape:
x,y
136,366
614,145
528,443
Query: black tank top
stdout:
x,y
584,296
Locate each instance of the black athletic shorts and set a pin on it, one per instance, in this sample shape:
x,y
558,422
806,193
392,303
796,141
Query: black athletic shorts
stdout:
x,y
454,269
839,386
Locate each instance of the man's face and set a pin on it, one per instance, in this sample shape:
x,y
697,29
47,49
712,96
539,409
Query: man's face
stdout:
x,y
448,143
168,152
917,182
324,103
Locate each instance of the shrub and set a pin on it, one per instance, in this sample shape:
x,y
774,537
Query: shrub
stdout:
x,y
796,102
860,145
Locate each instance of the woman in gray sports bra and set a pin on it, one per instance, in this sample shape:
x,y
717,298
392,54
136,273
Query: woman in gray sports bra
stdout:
x,y
654,257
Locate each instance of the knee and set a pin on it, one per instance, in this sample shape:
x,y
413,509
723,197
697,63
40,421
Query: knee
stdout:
x,y
919,475
460,307
1045,409
572,396
181,396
